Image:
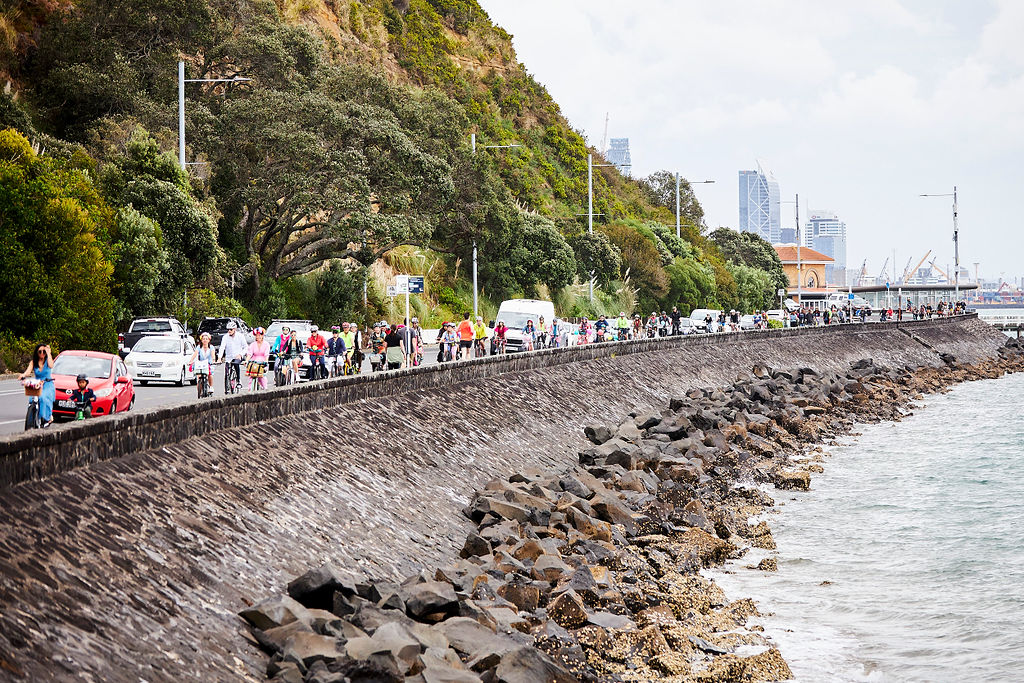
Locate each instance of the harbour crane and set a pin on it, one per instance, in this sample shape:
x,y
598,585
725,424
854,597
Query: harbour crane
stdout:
x,y
906,270
913,272
863,272
881,273
940,270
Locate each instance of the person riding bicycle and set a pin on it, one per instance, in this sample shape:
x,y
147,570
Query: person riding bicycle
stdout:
x,y
336,350
417,341
83,397
676,316
466,334
622,326
601,328
203,359
584,331
259,356
500,330
288,349
529,334
232,352
317,347
556,333
377,338
479,335
652,325
542,334
448,342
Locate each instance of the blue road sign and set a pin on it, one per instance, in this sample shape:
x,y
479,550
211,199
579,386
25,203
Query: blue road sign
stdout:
x,y
415,284
850,296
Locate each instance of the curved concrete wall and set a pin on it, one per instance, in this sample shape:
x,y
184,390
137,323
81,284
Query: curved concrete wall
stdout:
x,y
134,567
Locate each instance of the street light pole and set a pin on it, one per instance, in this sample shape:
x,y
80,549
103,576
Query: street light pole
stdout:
x,y
799,263
472,143
688,182
956,241
181,104
475,313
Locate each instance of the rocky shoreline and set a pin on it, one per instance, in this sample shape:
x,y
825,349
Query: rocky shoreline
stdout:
x,y
592,573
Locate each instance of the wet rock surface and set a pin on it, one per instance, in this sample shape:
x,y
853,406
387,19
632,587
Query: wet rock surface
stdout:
x,y
592,572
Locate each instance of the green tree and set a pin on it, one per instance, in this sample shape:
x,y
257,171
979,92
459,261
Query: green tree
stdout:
x,y
139,261
691,285
642,262
753,287
53,270
660,189
750,249
596,254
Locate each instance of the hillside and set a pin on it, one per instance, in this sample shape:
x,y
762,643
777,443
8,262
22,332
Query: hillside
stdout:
x,y
344,159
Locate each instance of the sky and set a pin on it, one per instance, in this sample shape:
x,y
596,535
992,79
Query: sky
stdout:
x,y
858,107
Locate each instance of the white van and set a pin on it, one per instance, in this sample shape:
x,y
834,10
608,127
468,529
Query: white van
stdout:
x,y
515,312
698,315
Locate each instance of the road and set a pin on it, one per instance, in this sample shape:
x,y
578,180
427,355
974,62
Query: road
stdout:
x,y
155,395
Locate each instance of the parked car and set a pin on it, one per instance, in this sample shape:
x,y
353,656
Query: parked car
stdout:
x,y
698,315
149,327
108,378
218,327
747,322
161,359
687,326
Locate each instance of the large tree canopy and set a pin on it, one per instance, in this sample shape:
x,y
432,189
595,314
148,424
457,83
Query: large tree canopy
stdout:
x,y
750,249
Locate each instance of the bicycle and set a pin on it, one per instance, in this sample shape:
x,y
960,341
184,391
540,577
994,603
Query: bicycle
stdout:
x,y
499,344
479,350
204,387
232,377
33,389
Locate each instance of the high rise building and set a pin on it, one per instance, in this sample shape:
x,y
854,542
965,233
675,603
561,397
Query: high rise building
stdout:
x,y
760,205
824,232
618,154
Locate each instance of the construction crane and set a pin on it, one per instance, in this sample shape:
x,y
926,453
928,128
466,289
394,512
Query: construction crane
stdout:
x,y
863,272
913,272
881,273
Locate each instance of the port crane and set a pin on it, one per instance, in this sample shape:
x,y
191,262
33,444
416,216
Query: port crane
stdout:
x,y
913,272
906,270
881,273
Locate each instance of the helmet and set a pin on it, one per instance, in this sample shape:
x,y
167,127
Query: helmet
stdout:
x,y
335,328
622,314
82,378
415,319
232,325
285,328
376,325
259,330
345,324
204,335
314,328
501,322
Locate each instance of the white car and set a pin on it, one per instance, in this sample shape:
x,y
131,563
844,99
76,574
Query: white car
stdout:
x,y
161,359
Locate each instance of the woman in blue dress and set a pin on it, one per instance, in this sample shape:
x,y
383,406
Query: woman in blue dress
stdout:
x,y
39,368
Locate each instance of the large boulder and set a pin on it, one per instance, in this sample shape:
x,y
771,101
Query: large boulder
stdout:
x,y
530,665
429,598
315,589
276,611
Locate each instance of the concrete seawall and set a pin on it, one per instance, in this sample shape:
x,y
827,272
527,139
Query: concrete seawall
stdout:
x,y
126,553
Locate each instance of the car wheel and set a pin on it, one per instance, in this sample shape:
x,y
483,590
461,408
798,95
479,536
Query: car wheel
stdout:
x,y
132,403
113,407
143,382
181,380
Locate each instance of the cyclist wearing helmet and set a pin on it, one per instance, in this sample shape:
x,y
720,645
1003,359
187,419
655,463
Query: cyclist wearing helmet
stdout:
x,y
317,347
259,355
232,351
335,350
288,349
83,396
449,342
622,326
583,336
377,344
500,330
202,361
479,335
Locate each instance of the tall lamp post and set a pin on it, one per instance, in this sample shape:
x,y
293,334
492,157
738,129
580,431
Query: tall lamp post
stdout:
x,y
956,243
590,206
472,142
688,182
181,104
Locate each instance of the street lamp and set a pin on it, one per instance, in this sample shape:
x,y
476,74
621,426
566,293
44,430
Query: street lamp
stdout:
x,y
590,207
698,182
181,104
472,141
799,263
956,243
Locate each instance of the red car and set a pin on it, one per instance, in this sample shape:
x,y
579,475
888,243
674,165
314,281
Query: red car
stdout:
x,y
107,375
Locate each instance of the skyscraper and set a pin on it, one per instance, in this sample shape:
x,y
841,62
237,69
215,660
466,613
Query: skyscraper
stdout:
x,y
760,204
824,232
618,154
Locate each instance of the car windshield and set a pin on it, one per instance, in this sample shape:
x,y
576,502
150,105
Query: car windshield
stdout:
x,y
516,320
213,325
81,365
158,345
151,326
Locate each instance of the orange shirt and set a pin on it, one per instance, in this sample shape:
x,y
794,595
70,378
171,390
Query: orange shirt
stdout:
x,y
466,331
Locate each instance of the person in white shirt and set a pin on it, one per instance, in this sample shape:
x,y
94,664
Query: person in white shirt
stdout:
x,y
233,349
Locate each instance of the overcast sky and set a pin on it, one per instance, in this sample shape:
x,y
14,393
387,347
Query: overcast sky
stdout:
x,y
857,106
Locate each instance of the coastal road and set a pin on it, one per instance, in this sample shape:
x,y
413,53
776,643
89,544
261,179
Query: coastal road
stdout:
x,y
155,395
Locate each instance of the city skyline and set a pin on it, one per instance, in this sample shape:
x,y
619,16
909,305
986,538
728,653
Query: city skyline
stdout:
x,y
859,108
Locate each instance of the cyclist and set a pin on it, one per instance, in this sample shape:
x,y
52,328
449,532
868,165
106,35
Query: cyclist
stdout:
x,y
203,359
394,348
500,330
417,333
317,346
466,334
232,351
622,326
357,347
601,328
542,333
676,317
288,349
583,333
83,396
479,335
336,351
529,334
377,343
258,354
556,332
449,342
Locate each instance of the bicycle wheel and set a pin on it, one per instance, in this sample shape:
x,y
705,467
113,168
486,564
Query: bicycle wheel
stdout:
x,y
201,385
32,416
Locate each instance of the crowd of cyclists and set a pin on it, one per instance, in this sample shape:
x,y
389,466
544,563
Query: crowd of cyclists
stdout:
x,y
389,346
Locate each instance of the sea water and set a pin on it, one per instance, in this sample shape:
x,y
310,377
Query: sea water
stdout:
x,y
905,562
